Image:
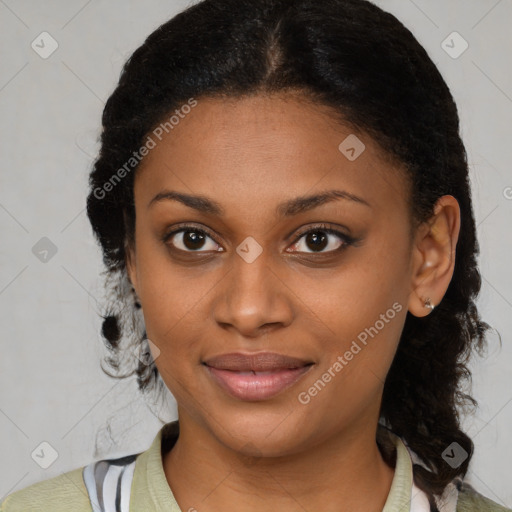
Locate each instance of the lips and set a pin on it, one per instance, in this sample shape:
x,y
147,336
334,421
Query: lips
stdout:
x,y
258,362
257,376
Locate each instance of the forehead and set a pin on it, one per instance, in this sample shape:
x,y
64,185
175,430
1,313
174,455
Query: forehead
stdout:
x,y
261,148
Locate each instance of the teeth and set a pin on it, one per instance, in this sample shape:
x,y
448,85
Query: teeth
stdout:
x,y
252,372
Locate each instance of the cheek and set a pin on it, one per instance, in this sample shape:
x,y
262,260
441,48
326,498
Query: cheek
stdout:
x,y
353,296
364,305
365,324
175,303
167,295
174,313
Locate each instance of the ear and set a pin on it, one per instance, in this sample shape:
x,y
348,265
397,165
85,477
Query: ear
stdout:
x,y
433,256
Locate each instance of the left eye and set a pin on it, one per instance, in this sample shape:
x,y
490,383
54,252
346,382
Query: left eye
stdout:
x,y
321,240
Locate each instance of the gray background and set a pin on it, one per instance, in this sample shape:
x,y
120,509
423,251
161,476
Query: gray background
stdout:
x,y
52,388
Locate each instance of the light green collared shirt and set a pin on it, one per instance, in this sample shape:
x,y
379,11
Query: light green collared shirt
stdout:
x,y
150,491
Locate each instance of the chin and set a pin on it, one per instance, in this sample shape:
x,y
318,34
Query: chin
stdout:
x,y
262,433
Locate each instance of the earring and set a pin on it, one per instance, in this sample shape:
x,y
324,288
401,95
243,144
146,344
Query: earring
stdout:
x,y
136,302
428,304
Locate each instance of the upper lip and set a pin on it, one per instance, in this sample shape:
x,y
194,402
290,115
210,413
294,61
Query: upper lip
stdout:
x,y
261,361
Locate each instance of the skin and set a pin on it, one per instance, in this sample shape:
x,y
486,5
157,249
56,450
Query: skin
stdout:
x,y
249,155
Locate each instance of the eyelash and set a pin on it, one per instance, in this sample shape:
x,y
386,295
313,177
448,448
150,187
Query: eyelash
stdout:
x,y
322,228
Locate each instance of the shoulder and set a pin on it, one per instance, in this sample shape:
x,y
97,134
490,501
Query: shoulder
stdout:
x,y
62,493
104,479
470,500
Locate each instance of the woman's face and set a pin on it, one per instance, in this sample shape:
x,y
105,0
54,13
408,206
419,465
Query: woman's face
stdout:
x,y
270,259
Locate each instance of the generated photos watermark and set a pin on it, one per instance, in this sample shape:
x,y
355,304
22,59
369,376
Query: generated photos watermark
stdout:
x,y
150,143
342,360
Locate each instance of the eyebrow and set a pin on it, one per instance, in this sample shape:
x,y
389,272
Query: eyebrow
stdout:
x,y
288,208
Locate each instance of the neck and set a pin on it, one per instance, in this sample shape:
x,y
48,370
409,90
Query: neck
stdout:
x,y
346,472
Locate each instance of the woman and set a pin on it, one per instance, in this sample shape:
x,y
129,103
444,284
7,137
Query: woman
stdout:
x,y
282,200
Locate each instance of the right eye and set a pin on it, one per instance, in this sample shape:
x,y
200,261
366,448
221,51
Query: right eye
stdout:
x,y
192,239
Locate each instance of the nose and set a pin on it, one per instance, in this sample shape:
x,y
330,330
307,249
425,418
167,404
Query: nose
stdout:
x,y
253,299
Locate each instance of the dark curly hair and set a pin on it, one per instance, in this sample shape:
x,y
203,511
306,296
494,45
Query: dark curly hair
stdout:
x,y
369,69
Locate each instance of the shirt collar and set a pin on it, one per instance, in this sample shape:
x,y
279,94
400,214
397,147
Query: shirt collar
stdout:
x,y
150,482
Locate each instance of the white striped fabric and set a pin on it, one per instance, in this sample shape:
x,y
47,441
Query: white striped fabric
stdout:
x,y
446,503
108,483
419,500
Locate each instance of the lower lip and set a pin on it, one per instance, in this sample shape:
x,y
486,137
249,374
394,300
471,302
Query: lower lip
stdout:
x,y
261,386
